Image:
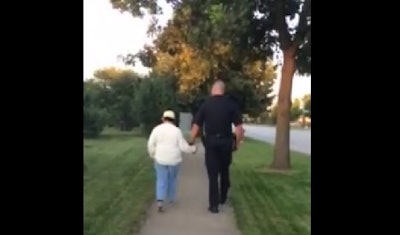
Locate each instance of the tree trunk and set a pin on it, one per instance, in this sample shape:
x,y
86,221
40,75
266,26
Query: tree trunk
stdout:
x,y
281,159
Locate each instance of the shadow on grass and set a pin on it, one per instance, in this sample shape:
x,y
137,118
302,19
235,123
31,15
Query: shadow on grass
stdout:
x,y
266,170
112,133
119,135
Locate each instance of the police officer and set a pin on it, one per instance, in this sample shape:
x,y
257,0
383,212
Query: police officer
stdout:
x,y
217,114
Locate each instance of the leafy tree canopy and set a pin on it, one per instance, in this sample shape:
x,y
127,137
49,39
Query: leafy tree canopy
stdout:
x,y
183,50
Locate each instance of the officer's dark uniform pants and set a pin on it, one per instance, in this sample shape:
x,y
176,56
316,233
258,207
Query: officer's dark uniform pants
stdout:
x,y
218,158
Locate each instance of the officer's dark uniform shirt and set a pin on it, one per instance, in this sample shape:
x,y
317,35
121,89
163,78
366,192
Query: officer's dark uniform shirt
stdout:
x,y
217,115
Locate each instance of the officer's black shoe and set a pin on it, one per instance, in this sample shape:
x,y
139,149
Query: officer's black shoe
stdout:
x,y
222,201
213,209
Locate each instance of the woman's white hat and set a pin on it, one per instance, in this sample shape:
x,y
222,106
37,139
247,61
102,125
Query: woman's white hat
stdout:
x,y
169,114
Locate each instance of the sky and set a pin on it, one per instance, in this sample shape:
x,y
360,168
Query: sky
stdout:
x,y
108,33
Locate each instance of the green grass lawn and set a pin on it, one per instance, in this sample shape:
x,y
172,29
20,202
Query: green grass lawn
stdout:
x,y
270,203
118,183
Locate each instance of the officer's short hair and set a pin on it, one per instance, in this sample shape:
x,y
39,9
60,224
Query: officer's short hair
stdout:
x,y
220,84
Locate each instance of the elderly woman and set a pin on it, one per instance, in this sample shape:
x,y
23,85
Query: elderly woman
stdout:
x,y
165,145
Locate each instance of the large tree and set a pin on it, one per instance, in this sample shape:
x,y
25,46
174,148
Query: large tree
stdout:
x,y
94,113
119,99
295,44
153,98
182,51
265,25
262,28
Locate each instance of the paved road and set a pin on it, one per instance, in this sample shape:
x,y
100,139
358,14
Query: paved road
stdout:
x,y
300,140
189,216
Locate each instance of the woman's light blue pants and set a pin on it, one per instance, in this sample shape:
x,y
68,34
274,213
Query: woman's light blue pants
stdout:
x,y
166,182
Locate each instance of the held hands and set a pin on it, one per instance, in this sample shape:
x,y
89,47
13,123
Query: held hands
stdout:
x,y
192,144
194,149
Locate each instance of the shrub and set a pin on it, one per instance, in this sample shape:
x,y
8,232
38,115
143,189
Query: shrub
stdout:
x,y
154,96
95,120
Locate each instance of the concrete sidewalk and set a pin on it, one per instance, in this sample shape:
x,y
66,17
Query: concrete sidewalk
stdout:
x,y
189,215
